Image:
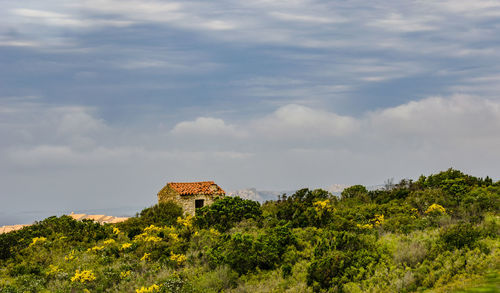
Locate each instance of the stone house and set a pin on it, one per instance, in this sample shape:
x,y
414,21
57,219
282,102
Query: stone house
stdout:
x,y
191,195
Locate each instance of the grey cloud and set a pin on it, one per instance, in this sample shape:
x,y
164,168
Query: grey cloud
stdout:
x,y
442,122
271,94
296,146
296,24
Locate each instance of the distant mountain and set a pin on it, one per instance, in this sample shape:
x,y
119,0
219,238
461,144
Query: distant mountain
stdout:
x,y
258,195
263,195
336,189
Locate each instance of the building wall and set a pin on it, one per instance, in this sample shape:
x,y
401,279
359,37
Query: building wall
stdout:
x,y
187,202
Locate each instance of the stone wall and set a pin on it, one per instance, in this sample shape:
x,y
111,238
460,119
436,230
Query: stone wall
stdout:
x,y
187,202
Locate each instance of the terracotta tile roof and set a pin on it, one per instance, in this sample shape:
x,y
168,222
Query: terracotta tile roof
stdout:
x,y
191,188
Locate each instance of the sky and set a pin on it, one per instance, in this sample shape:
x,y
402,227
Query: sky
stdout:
x,y
102,102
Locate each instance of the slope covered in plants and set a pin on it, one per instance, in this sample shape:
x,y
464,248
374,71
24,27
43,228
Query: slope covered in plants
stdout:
x,y
439,233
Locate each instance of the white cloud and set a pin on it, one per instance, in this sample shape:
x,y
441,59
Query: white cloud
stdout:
x,y
9,42
294,146
297,24
48,17
478,8
205,126
42,134
27,121
315,19
296,121
458,118
77,121
405,23
51,18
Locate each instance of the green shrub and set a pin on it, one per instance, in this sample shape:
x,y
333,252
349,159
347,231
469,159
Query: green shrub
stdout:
x,y
300,211
161,214
245,252
459,236
76,232
286,270
224,213
340,258
239,253
355,191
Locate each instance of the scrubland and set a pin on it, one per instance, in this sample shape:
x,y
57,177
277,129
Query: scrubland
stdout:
x,y
439,233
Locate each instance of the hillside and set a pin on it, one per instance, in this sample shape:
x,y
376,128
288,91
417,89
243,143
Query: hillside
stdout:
x,y
439,233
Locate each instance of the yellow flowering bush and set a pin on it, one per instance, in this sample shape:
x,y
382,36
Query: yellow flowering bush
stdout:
x,y
116,231
109,242
150,289
95,248
70,256
146,256
435,208
365,226
414,213
322,205
178,258
147,238
174,236
38,240
152,239
125,246
378,220
214,232
187,222
125,274
140,237
83,276
150,234
53,270
152,229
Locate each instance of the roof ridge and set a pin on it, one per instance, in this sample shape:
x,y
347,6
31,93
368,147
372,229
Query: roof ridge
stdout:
x,y
198,187
193,182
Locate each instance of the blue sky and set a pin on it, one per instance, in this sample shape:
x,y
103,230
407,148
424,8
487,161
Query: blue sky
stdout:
x,y
103,101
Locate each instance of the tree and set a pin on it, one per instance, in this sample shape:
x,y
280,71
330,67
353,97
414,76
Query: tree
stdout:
x,y
226,212
354,191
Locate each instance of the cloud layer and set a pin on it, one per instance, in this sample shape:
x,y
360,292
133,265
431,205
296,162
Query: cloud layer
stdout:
x,y
292,147
105,100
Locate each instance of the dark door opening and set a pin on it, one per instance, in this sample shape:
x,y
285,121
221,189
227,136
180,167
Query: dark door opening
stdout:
x,y
198,203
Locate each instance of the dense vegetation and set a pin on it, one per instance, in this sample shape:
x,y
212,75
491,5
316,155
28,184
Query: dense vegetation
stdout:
x,y
438,233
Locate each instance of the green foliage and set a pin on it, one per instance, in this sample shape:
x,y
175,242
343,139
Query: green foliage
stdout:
x,y
245,252
76,231
439,234
300,211
161,214
224,213
341,257
459,236
355,191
